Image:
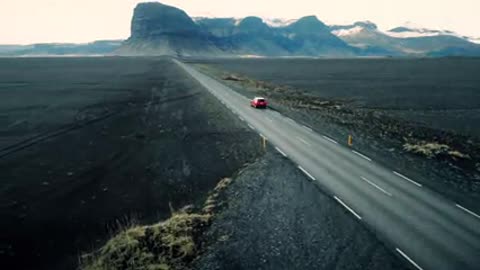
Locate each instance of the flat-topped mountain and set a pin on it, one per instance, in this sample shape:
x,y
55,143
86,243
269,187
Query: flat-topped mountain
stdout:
x,y
158,29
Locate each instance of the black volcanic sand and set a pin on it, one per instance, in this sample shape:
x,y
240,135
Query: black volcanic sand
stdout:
x,y
90,145
383,103
277,219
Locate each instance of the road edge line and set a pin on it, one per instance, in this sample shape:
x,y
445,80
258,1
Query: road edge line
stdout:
x,y
468,211
347,207
408,259
280,151
306,173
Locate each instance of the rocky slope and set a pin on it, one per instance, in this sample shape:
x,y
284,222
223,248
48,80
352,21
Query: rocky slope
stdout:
x,y
164,30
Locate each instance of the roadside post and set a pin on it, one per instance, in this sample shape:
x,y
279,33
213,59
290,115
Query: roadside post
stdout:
x,y
264,142
350,140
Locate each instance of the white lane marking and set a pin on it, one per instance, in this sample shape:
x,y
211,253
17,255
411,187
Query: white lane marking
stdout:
x,y
330,139
302,140
361,155
406,178
408,259
468,211
241,118
263,136
269,119
306,173
290,120
281,152
307,128
348,208
376,186
250,126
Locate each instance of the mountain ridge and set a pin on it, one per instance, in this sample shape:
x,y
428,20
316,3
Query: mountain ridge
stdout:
x,y
159,29
307,36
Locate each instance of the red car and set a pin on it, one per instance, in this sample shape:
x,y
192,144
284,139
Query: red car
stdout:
x,y
259,102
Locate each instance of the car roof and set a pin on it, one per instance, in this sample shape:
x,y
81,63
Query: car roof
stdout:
x,y
259,98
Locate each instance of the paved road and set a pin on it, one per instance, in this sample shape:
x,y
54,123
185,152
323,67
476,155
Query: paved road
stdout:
x,y
423,228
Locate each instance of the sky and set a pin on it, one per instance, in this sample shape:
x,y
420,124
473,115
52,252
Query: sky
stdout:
x,y
37,21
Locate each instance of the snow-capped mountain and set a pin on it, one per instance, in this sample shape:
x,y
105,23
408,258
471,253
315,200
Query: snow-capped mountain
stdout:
x,y
405,40
275,37
474,39
412,32
353,29
405,32
278,22
365,36
271,22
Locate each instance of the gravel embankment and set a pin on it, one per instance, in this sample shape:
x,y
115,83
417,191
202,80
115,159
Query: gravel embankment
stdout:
x,y
275,219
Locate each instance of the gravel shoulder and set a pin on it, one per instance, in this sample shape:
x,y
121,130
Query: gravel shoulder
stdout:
x,y
274,218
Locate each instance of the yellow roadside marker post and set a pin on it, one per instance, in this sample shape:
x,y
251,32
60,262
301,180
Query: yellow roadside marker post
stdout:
x,y
350,140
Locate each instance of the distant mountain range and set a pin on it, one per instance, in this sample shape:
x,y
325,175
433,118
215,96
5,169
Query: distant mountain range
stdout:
x,y
406,41
101,47
159,29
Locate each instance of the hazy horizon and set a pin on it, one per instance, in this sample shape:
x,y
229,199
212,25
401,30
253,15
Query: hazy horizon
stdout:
x,y
45,21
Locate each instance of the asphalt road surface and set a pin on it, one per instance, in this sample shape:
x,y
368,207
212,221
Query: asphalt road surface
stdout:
x,y
427,230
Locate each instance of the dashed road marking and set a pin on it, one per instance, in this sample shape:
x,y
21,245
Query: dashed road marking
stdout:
x,y
468,211
406,178
241,118
303,141
307,173
250,126
376,186
281,152
361,155
330,139
348,208
408,259
263,136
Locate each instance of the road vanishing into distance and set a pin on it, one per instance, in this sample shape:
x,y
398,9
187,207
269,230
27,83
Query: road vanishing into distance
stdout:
x,y
425,229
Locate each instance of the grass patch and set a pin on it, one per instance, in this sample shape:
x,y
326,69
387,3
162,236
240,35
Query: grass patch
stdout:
x,y
169,245
434,149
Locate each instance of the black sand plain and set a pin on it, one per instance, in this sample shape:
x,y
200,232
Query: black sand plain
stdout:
x,y
92,145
